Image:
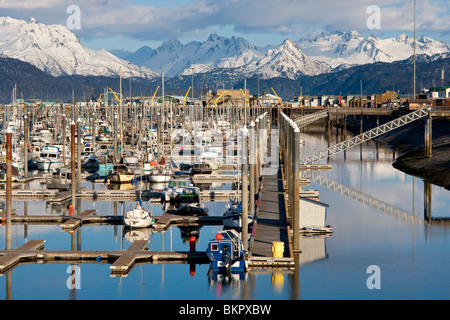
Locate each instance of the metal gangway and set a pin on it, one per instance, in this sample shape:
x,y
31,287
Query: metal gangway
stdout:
x,y
362,197
368,135
306,120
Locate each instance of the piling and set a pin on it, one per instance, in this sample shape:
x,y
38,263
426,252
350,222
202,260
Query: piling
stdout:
x,y
25,145
72,162
244,188
252,165
428,135
78,176
296,191
8,186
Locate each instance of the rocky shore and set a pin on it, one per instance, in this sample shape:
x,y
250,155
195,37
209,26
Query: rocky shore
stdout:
x,y
409,142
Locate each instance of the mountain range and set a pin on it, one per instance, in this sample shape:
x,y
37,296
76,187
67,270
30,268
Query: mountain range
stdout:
x,y
57,51
218,61
325,53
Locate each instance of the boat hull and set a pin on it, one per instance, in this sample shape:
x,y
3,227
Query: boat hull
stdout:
x,y
121,178
138,223
48,165
159,177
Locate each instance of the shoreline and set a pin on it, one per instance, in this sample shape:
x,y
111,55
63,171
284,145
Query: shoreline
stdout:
x,y
409,142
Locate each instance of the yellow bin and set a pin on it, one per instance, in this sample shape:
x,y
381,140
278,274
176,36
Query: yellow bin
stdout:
x,y
277,249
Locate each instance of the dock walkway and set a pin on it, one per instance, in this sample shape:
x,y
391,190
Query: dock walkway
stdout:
x,y
271,224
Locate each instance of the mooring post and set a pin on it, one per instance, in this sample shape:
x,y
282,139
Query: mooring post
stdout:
x,y
428,135
78,155
8,186
296,191
244,188
252,157
26,143
72,162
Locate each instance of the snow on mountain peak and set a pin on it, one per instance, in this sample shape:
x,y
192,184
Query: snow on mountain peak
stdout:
x,y
56,50
350,48
285,61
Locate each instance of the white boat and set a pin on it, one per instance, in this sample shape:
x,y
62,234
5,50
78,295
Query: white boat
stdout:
x,y
139,217
121,173
133,164
161,173
181,190
232,217
60,179
43,136
50,158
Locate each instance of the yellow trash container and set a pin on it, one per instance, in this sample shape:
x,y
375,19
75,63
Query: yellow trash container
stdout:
x,y
277,249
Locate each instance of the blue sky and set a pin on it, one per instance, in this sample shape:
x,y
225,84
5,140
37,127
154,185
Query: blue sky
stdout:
x,y
130,24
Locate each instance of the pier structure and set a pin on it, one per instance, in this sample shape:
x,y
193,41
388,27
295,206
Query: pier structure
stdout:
x,y
270,166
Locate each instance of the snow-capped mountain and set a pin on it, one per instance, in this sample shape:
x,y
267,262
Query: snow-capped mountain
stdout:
x,y
216,52
56,50
340,49
286,61
234,53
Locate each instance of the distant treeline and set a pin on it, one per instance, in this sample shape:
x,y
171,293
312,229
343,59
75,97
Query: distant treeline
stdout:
x,y
33,83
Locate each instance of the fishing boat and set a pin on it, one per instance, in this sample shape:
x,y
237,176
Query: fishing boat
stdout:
x,y
91,164
232,217
161,172
181,189
203,168
121,173
190,210
50,158
59,179
139,217
226,252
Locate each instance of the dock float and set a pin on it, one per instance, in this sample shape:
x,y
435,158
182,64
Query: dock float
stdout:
x,y
270,262
122,261
11,258
127,259
218,178
76,221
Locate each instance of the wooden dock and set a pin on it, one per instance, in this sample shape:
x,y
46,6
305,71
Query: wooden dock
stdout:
x,y
271,224
122,261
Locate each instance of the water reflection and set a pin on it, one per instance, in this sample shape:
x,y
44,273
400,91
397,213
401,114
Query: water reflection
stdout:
x,y
377,213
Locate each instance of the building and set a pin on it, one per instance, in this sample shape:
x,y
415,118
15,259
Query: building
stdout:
x,y
439,92
313,214
416,104
385,98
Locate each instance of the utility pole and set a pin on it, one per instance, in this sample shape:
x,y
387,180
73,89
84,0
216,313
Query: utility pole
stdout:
x,y
8,187
72,164
414,89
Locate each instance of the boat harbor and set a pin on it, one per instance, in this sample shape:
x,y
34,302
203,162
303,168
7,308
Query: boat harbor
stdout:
x,y
242,176
177,175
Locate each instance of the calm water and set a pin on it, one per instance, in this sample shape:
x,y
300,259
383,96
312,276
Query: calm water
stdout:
x,y
412,256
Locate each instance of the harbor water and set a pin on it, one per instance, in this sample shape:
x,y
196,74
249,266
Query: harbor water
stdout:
x,y
381,246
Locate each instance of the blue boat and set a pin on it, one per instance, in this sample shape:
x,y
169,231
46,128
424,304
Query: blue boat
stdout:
x,y
226,252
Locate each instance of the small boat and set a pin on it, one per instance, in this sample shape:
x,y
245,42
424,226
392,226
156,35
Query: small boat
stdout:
x,y
190,210
59,179
160,174
121,173
139,217
91,164
226,252
178,189
202,168
50,158
232,217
